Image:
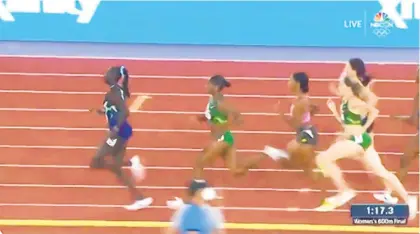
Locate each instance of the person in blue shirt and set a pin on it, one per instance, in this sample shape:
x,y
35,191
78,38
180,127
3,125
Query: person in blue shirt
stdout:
x,y
197,216
120,131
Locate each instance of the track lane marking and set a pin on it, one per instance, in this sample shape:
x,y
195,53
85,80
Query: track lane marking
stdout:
x,y
143,148
58,128
179,168
170,77
157,112
138,102
233,226
56,92
201,60
265,189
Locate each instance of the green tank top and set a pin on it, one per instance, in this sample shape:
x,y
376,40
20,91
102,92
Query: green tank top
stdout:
x,y
348,117
213,114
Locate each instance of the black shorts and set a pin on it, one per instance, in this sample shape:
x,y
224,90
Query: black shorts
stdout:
x,y
115,146
307,135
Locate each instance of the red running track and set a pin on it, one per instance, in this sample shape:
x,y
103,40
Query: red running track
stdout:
x,y
39,166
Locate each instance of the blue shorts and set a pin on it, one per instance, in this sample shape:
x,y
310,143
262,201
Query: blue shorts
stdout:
x,y
126,131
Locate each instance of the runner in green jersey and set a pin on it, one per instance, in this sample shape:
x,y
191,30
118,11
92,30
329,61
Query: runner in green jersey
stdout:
x,y
355,142
221,116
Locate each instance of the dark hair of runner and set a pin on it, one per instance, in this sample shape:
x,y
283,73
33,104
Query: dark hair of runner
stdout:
x,y
356,88
358,65
220,82
303,80
114,74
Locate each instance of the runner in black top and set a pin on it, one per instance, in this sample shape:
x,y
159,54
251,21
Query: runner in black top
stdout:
x,y
120,131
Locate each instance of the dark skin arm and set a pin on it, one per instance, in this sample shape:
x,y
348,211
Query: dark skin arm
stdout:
x,y
201,118
413,119
100,111
234,117
313,109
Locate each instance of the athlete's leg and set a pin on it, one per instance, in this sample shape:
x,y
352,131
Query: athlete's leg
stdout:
x,y
372,161
98,160
299,152
240,168
385,196
118,162
326,161
207,157
302,156
411,152
118,154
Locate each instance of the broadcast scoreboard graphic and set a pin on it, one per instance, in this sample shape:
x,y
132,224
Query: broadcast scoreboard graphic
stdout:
x,y
379,214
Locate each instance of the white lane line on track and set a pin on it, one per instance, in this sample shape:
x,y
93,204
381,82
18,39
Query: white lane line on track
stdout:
x,y
163,149
272,209
158,112
179,168
184,94
155,207
169,77
55,128
75,186
201,60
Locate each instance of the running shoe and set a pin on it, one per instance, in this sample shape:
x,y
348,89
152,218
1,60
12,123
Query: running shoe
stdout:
x,y
137,169
275,154
140,204
331,203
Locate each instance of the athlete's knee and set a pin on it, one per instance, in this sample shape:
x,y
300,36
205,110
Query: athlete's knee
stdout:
x,y
97,163
233,167
117,170
381,171
292,146
409,153
237,171
404,159
323,163
385,174
322,159
200,161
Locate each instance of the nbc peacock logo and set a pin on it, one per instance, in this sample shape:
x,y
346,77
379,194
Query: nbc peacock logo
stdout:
x,y
381,24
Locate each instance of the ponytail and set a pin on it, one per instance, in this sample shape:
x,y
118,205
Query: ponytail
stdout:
x,y
365,79
227,84
125,76
356,88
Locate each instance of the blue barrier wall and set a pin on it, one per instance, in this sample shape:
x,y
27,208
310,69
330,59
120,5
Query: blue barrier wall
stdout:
x,y
325,24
